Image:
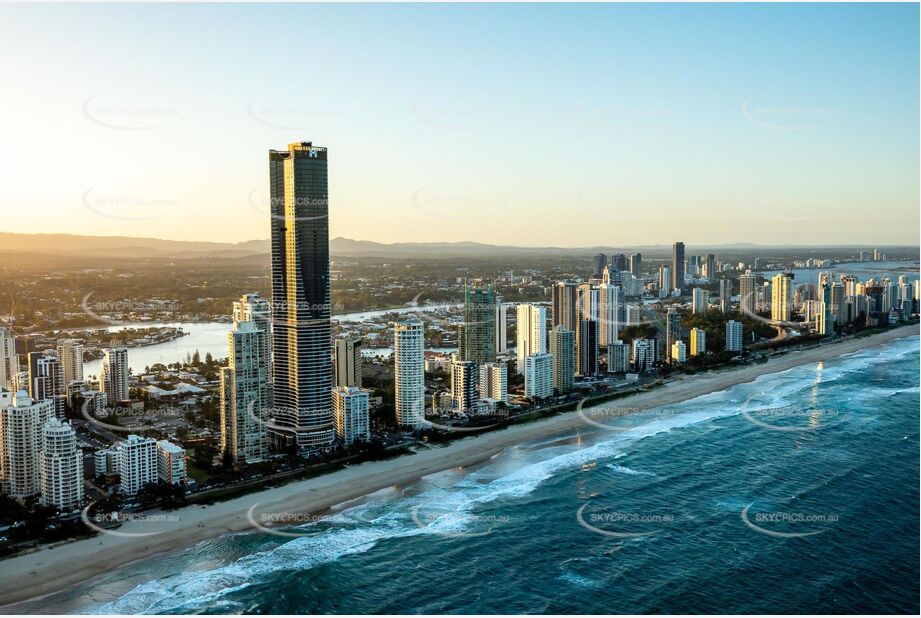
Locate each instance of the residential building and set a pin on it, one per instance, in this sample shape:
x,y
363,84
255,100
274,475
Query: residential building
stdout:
x,y
61,467
171,468
46,380
350,408
699,300
9,360
246,395
618,357
136,458
301,331
21,422
563,351
70,353
409,373
672,331
464,391
733,336
478,343
679,353
348,361
587,348
113,378
698,341
493,381
538,376
782,297
531,333
678,266
564,305
501,327
748,297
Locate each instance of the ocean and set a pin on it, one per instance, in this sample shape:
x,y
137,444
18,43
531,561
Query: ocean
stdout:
x,y
796,493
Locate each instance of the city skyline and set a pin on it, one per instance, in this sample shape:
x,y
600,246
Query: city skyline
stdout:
x,y
771,155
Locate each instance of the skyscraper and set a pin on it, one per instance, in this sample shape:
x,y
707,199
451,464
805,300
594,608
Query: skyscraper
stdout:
x,y
501,326
733,336
350,408
618,357
253,308
479,331
9,360
493,381
636,264
348,361
782,297
610,308
678,265
699,300
747,293
246,400
563,351
70,352
672,331
698,341
710,267
301,333
601,260
46,380
587,348
136,458
61,467
409,373
531,329
538,376
21,422
564,305
665,280
464,390
113,378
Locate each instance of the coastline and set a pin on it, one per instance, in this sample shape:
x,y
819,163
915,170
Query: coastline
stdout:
x,y
52,570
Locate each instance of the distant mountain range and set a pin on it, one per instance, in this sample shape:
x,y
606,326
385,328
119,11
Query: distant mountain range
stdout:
x,y
128,247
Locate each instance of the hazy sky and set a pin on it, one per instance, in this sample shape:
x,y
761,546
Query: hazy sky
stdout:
x,y
513,124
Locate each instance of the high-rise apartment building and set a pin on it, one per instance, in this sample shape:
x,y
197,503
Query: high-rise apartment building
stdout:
x,y
678,265
699,300
70,353
748,295
618,357
493,381
113,378
538,376
587,348
678,352
479,332
563,351
610,309
409,373
636,264
698,341
782,297
672,331
46,380
301,330
348,361
531,333
136,458
464,390
171,468
564,305
733,336
9,360
61,467
246,395
21,422
665,280
350,409
601,260
501,326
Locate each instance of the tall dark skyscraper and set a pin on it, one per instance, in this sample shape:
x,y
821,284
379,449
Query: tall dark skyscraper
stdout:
x,y
678,265
478,332
636,263
301,335
601,260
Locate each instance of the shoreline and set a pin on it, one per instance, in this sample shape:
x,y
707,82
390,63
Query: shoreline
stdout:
x,y
47,572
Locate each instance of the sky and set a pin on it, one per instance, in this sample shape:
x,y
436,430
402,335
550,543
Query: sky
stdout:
x,y
529,125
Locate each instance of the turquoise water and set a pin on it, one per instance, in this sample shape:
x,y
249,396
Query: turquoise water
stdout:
x,y
797,493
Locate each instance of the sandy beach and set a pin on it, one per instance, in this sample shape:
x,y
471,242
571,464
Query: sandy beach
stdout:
x,y
49,571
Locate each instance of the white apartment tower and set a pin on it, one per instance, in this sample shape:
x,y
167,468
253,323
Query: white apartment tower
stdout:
x,y
70,352
62,467
532,333
350,411
610,308
409,373
781,297
493,382
733,336
113,380
21,422
136,459
538,376
245,394
699,300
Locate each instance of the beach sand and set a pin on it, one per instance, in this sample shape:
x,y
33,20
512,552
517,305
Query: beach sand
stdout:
x,y
52,570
